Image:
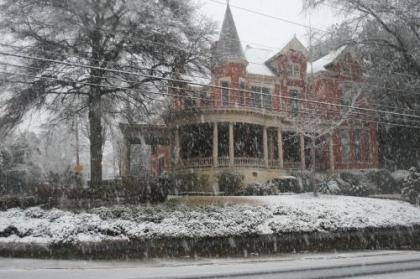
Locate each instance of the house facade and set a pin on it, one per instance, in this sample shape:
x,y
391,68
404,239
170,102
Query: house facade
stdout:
x,y
264,114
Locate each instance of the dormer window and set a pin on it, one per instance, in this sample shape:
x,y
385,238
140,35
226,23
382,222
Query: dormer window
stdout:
x,y
293,70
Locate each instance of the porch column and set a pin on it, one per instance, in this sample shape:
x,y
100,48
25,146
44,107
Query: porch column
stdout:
x,y
302,152
177,147
215,145
125,158
231,146
280,147
331,153
265,149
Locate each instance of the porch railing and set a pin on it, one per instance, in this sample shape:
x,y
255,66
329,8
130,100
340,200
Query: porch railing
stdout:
x,y
238,162
223,161
196,163
249,162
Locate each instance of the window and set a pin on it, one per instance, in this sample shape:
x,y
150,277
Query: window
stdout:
x,y
154,149
345,145
267,98
242,93
225,92
294,103
189,102
256,96
161,165
293,70
357,145
366,145
346,98
261,97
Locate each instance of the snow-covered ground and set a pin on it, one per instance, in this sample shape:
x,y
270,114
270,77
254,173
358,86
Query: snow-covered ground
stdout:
x,y
223,216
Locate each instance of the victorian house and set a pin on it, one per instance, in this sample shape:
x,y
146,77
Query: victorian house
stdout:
x,y
264,114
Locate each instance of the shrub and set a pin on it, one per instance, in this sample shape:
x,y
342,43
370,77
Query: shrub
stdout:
x,y
67,179
130,189
350,178
305,180
183,182
146,189
48,194
329,187
360,190
287,184
383,181
411,186
158,189
261,189
231,183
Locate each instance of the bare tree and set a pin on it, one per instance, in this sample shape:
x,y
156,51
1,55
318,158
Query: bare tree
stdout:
x,y
65,50
386,35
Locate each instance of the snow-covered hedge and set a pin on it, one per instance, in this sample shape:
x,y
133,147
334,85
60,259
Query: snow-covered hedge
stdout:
x,y
263,215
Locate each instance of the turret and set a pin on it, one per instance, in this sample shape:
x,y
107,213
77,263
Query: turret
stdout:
x,y
229,63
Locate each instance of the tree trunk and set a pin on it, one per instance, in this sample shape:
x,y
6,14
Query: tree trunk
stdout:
x,y
95,136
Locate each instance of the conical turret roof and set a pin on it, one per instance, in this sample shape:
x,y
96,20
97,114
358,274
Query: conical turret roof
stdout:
x,y
229,48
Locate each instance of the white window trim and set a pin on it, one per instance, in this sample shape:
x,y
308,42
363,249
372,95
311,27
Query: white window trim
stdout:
x,y
271,87
224,79
293,76
242,80
299,90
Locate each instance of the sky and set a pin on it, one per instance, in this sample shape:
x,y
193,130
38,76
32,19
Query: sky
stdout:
x,y
263,31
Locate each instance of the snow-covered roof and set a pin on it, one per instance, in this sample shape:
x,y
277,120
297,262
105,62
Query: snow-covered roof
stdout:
x,y
293,44
256,58
229,45
319,65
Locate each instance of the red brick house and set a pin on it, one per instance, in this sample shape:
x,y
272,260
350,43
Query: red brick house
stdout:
x,y
265,113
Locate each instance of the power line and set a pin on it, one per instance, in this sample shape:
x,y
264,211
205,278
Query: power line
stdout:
x,y
204,77
269,16
198,84
305,111
262,64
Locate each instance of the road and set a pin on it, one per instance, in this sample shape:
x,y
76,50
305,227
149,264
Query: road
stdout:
x,y
360,265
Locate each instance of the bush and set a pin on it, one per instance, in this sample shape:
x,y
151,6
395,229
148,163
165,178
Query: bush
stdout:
x,y
184,182
360,190
48,194
329,187
261,189
350,178
231,183
146,189
353,184
304,179
411,186
67,179
130,189
287,184
383,181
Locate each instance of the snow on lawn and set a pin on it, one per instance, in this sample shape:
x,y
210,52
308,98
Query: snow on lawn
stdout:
x,y
263,215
